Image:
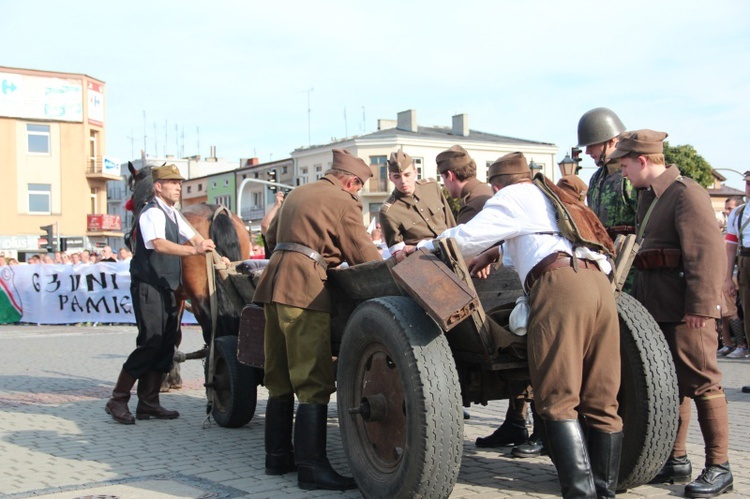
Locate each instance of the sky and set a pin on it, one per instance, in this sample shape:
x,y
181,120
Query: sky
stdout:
x,y
263,78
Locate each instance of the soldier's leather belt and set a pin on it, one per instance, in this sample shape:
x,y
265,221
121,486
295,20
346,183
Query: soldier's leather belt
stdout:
x,y
616,230
661,258
301,248
744,251
552,262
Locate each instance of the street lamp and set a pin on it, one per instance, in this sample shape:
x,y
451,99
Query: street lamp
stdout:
x,y
567,166
535,168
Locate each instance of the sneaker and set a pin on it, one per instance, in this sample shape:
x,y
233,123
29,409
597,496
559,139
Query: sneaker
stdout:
x,y
739,353
724,351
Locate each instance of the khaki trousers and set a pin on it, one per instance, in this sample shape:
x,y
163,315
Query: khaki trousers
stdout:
x,y
574,348
297,347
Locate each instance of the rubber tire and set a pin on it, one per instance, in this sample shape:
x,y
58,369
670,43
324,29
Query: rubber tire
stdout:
x,y
235,386
648,397
429,462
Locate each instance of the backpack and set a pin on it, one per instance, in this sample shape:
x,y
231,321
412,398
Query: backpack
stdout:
x,y
576,222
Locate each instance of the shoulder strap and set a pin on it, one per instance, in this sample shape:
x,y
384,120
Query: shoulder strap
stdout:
x,y
741,228
644,223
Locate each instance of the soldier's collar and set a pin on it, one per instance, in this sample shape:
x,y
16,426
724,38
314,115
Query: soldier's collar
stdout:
x,y
661,183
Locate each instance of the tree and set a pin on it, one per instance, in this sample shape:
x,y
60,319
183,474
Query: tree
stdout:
x,y
691,163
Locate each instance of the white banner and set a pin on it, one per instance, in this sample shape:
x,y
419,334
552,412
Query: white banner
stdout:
x,y
67,294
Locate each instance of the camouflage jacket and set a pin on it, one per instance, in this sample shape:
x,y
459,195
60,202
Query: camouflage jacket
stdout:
x,y
613,198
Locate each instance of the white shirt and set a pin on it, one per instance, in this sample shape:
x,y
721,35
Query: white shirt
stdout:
x,y
517,214
734,225
153,224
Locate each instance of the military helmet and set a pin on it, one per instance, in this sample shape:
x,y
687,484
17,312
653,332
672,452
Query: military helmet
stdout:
x,y
597,126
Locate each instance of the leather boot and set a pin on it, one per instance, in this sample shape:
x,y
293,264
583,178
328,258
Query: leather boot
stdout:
x,y
567,448
604,451
313,469
511,432
117,406
279,421
534,446
714,480
676,470
148,398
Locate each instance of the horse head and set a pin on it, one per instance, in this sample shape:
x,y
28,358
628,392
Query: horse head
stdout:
x,y
141,186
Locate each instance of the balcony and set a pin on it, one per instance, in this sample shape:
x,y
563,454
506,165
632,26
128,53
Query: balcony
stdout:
x,y
253,213
102,168
104,225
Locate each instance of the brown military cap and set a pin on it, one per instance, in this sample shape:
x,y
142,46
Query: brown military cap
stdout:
x,y
511,163
166,172
640,141
574,185
399,161
455,157
345,161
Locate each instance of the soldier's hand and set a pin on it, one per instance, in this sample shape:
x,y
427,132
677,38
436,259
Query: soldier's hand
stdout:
x,y
205,246
480,265
401,254
729,288
694,321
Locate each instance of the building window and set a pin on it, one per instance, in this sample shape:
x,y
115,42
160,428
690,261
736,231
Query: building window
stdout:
x,y
381,166
318,172
39,198
303,176
284,169
190,189
257,200
255,175
38,139
418,166
214,184
226,182
200,187
223,200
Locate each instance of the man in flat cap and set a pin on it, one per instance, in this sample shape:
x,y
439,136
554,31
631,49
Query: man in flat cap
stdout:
x,y
155,272
459,173
681,267
574,370
416,210
610,196
319,225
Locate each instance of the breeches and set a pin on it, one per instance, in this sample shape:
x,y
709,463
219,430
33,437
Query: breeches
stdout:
x,y
156,315
574,348
298,353
694,355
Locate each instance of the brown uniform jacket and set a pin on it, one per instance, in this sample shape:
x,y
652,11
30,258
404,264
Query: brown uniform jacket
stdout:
x,y
473,196
682,219
410,219
326,218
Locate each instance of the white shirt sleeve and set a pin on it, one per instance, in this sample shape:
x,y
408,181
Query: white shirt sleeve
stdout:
x,y
152,224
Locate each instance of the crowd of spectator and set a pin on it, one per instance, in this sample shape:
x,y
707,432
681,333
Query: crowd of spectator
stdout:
x,y
84,257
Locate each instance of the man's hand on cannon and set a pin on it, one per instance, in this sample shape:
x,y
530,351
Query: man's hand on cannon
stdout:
x,y
480,265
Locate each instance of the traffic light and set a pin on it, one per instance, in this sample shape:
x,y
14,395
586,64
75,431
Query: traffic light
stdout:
x,y
271,174
575,154
50,236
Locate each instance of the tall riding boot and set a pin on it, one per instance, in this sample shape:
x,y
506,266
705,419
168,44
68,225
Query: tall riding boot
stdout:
x,y
568,451
117,406
279,421
313,469
604,451
148,398
534,446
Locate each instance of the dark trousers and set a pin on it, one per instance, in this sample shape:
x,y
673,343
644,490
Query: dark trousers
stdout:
x,y
156,314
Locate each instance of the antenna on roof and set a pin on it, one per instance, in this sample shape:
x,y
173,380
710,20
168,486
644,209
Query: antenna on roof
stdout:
x,y
346,127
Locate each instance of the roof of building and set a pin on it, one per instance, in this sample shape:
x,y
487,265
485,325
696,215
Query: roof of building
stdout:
x,y
725,190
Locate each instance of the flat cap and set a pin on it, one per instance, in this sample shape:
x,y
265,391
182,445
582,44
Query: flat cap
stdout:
x,y
455,157
510,164
641,141
345,161
574,185
399,161
166,172
746,176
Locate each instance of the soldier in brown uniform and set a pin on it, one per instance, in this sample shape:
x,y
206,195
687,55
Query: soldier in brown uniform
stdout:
x,y
459,173
681,265
318,225
416,210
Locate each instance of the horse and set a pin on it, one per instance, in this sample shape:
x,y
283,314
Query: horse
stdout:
x,y
232,240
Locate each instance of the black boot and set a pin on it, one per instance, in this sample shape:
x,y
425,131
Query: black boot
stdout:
x,y
568,450
511,432
148,398
117,406
604,451
533,447
675,470
714,480
313,469
279,450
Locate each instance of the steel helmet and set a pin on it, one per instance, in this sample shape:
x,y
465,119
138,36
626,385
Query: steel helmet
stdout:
x,y
597,126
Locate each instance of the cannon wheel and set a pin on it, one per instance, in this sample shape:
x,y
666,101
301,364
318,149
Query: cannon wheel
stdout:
x,y
235,386
648,395
396,367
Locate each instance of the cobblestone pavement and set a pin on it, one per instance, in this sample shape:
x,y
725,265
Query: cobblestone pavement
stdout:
x,y
57,441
